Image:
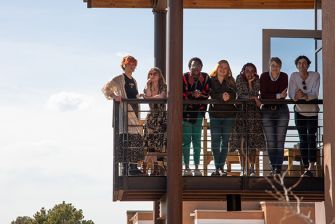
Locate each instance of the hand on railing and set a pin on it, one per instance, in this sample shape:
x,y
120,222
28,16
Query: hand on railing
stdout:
x,y
258,102
118,98
283,94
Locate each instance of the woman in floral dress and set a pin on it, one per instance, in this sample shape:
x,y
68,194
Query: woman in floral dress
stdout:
x,y
155,136
248,137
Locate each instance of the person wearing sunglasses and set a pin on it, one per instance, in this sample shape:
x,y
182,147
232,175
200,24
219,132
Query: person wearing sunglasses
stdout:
x,y
304,86
155,136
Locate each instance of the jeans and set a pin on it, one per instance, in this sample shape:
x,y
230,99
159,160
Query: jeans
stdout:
x,y
275,124
221,129
307,129
192,133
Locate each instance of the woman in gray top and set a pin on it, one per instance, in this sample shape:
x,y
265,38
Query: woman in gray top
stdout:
x,y
304,86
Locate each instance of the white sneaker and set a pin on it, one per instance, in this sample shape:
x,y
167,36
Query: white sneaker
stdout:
x,y
223,173
197,172
252,174
188,172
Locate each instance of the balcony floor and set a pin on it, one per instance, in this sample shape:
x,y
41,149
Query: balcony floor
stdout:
x,y
139,188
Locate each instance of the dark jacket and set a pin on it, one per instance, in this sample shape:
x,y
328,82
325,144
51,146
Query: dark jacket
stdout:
x,y
216,92
190,84
270,88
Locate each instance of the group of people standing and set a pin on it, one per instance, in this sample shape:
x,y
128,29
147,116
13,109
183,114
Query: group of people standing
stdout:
x,y
253,126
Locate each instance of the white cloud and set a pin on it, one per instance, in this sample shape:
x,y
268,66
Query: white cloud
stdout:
x,y
68,101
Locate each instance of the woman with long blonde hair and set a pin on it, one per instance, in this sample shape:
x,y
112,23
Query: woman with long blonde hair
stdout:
x,y
222,115
227,77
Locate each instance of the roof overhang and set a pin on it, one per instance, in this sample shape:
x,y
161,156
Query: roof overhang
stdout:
x,y
205,4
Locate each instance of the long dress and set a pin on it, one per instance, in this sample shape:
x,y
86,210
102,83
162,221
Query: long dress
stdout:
x,y
155,136
248,120
130,147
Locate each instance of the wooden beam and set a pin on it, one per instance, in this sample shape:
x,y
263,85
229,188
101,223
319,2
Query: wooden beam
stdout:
x,y
120,3
175,111
328,55
206,4
249,4
160,38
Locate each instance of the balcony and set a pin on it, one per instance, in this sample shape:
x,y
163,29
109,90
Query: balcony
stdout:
x,y
152,186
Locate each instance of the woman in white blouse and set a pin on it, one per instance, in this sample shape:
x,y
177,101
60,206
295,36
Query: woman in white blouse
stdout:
x,y
304,86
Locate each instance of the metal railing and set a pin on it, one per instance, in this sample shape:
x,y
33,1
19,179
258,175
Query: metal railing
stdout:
x,y
129,127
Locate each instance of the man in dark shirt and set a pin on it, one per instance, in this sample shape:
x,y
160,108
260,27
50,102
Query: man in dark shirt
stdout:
x,y
195,87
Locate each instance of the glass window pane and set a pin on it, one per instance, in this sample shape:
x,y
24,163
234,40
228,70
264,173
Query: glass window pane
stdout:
x,y
288,49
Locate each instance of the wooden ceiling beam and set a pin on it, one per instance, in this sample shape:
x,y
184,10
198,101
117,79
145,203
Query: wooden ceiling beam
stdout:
x,y
205,4
249,4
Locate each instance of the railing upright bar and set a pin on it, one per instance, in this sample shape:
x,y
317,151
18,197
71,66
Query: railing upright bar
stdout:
x,y
116,143
205,148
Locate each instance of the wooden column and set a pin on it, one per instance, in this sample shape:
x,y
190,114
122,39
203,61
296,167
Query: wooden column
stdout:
x,y
159,11
156,212
160,39
175,106
328,53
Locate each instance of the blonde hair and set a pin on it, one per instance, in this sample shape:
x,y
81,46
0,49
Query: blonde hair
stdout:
x,y
229,79
161,81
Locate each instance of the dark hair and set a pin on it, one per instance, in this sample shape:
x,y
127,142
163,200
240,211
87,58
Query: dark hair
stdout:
x,y
246,65
302,57
277,60
194,59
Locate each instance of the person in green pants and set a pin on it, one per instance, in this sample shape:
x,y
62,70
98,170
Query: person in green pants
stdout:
x,y
195,87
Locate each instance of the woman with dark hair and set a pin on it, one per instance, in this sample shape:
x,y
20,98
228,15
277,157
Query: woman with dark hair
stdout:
x,y
222,116
304,86
124,86
275,117
155,138
195,87
248,137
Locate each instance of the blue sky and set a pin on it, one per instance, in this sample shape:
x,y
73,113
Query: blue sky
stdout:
x,y
56,127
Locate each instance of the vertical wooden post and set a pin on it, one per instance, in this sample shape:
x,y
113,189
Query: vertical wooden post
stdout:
x,y
328,53
159,11
175,111
160,39
156,213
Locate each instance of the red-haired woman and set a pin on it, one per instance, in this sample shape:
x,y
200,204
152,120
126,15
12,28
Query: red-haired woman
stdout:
x,y
124,86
